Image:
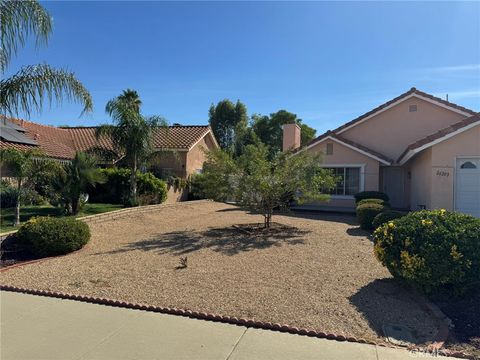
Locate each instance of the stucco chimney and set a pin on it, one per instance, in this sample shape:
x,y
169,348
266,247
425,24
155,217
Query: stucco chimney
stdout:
x,y
291,136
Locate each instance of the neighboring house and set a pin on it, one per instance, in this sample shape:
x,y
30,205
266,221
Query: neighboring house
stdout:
x,y
424,152
182,147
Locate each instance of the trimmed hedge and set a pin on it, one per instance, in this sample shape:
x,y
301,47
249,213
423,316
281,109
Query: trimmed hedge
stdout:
x,y
366,213
47,236
385,216
432,250
374,201
371,195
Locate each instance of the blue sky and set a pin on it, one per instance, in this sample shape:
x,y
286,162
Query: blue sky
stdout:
x,y
326,61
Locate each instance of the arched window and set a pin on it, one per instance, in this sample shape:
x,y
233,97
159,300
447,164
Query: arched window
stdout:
x,y
468,165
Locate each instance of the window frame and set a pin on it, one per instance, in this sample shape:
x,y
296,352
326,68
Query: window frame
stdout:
x,y
362,178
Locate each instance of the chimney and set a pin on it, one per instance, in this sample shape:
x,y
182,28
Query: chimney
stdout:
x,y
291,136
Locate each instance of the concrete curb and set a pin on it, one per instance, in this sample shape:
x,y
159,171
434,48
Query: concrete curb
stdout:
x,y
249,323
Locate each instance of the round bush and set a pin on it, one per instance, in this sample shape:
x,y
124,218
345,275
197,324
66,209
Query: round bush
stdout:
x,y
46,236
366,213
432,250
385,216
371,195
374,201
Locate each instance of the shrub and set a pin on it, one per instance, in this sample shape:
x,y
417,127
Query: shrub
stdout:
x,y
385,216
371,195
151,190
374,201
195,187
46,236
366,213
432,250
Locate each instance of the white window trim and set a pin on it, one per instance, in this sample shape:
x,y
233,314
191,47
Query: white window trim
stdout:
x,y
362,178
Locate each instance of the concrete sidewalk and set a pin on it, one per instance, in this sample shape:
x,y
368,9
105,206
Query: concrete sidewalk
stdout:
x,y
36,327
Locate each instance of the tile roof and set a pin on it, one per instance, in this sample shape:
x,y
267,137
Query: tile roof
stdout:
x,y
63,142
440,134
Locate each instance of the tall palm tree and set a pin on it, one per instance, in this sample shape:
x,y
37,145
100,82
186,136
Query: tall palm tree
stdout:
x,y
77,176
27,89
21,164
131,134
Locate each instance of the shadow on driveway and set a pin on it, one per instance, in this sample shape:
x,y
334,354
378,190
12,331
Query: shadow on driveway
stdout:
x,y
228,241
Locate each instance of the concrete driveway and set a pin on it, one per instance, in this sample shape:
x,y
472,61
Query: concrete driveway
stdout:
x,y
36,327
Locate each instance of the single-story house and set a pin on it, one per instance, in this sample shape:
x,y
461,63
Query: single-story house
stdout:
x,y
182,147
421,150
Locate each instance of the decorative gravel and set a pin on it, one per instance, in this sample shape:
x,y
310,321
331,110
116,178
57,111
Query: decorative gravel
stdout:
x,y
319,273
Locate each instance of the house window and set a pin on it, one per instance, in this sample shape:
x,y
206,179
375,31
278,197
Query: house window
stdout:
x,y
329,149
468,165
412,108
348,182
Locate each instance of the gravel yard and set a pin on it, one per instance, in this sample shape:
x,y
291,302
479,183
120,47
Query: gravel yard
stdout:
x,y
321,275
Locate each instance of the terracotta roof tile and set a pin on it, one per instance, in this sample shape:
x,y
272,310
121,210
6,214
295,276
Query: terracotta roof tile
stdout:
x,y
62,143
441,133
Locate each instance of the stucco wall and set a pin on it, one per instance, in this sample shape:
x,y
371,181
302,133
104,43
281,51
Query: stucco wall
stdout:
x,y
444,154
196,157
391,131
343,155
420,168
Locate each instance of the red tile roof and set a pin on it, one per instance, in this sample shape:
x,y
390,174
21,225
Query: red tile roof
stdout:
x,y
62,143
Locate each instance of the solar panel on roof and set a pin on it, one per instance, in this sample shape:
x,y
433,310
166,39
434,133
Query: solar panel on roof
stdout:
x,y
9,124
12,135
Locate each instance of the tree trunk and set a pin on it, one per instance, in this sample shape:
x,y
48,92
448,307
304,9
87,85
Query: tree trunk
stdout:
x,y
268,218
133,183
75,205
17,205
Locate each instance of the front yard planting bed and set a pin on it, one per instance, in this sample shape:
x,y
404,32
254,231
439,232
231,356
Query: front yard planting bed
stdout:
x,y
319,272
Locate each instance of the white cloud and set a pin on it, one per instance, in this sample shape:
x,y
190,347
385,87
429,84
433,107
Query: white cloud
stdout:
x,y
456,68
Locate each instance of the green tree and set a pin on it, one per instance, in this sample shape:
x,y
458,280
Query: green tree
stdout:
x,y
229,123
257,182
75,179
22,166
27,89
269,129
131,134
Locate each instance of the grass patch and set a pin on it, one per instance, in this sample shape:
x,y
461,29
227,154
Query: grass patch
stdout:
x,y
8,215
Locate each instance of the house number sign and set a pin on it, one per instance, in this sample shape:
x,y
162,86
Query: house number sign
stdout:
x,y
443,173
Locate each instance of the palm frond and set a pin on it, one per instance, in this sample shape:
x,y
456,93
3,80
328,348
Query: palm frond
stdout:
x,y
33,84
19,20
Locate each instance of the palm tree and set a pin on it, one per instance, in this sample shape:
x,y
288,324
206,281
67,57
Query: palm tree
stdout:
x,y
131,134
21,164
74,181
27,89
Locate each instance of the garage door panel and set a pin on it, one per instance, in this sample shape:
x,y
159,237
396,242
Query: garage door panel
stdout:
x,y
467,187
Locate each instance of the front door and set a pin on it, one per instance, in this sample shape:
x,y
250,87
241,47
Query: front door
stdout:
x,y
394,185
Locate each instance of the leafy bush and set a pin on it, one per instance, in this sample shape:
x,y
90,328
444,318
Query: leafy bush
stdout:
x,y
366,213
374,201
195,188
8,196
432,250
151,190
46,236
385,216
371,195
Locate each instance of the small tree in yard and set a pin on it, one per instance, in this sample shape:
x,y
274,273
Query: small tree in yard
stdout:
x,y
22,167
260,184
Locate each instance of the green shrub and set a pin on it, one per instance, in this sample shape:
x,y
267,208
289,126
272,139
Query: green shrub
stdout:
x,y
366,213
371,195
46,236
195,188
432,250
385,216
151,190
374,201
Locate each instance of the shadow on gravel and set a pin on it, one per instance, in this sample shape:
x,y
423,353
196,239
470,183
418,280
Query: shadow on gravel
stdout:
x,y
228,241
385,301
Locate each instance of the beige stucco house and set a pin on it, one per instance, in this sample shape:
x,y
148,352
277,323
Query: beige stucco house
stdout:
x,y
423,151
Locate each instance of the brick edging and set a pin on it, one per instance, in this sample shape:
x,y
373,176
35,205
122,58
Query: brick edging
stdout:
x,y
249,323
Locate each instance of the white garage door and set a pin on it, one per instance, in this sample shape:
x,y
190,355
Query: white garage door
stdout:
x,y
468,186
